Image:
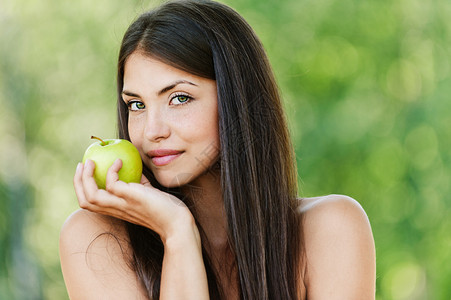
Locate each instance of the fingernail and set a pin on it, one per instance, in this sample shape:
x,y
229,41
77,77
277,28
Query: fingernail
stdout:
x,y
78,167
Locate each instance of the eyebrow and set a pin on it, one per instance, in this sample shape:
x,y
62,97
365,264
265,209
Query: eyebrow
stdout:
x,y
163,90
173,85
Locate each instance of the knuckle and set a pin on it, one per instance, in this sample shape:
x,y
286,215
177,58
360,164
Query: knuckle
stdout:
x,y
109,186
83,204
92,199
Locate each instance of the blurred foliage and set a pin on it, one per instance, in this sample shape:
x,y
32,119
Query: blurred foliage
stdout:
x,y
366,86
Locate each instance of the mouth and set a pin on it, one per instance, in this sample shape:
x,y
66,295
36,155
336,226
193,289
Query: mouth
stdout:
x,y
163,157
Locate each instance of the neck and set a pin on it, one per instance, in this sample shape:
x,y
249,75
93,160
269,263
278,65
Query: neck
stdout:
x,y
209,211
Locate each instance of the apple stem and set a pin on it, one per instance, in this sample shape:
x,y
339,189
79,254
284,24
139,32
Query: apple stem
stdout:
x,y
102,143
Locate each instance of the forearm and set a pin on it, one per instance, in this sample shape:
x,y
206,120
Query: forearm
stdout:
x,y
183,274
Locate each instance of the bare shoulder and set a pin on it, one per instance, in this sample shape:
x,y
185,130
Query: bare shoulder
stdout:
x,y
84,225
335,211
85,232
319,204
95,258
339,247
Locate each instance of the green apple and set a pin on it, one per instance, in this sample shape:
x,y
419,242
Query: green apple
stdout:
x,y
105,152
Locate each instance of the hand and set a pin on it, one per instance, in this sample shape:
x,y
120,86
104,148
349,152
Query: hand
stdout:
x,y
140,204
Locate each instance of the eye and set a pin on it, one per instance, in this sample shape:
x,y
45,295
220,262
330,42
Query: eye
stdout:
x,y
135,105
180,99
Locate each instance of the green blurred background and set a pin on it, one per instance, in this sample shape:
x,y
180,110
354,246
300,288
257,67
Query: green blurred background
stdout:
x,y
366,85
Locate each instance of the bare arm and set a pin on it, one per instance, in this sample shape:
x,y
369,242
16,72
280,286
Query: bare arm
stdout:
x,y
340,250
183,274
94,258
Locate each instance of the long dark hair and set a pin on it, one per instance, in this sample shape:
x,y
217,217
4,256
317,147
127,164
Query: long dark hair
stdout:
x,y
257,165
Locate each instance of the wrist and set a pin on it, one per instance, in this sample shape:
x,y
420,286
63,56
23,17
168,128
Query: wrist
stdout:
x,y
184,232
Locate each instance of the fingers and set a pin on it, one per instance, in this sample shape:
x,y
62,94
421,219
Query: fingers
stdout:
x,y
112,175
117,197
78,184
120,188
89,195
136,203
145,181
89,184
113,184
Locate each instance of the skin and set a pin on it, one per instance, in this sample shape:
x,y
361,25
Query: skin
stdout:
x,y
340,250
183,118
338,240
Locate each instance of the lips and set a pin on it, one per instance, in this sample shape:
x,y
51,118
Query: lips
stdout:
x,y
161,157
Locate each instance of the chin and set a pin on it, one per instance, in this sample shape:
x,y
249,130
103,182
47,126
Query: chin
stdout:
x,y
175,181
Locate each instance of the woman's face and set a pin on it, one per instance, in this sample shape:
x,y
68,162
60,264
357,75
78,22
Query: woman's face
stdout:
x,y
173,119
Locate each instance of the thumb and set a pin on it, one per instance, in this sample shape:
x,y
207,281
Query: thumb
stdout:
x,y
145,181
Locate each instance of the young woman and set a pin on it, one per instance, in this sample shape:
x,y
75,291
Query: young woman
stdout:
x,y
216,215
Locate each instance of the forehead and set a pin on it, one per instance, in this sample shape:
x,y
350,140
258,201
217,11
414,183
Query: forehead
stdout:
x,y
147,74
138,65
140,68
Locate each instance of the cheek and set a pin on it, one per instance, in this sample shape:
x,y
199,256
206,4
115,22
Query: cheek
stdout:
x,y
212,127
200,126
135,132
207,129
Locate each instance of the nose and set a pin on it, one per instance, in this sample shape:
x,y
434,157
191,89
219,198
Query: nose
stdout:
x,y
157,127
